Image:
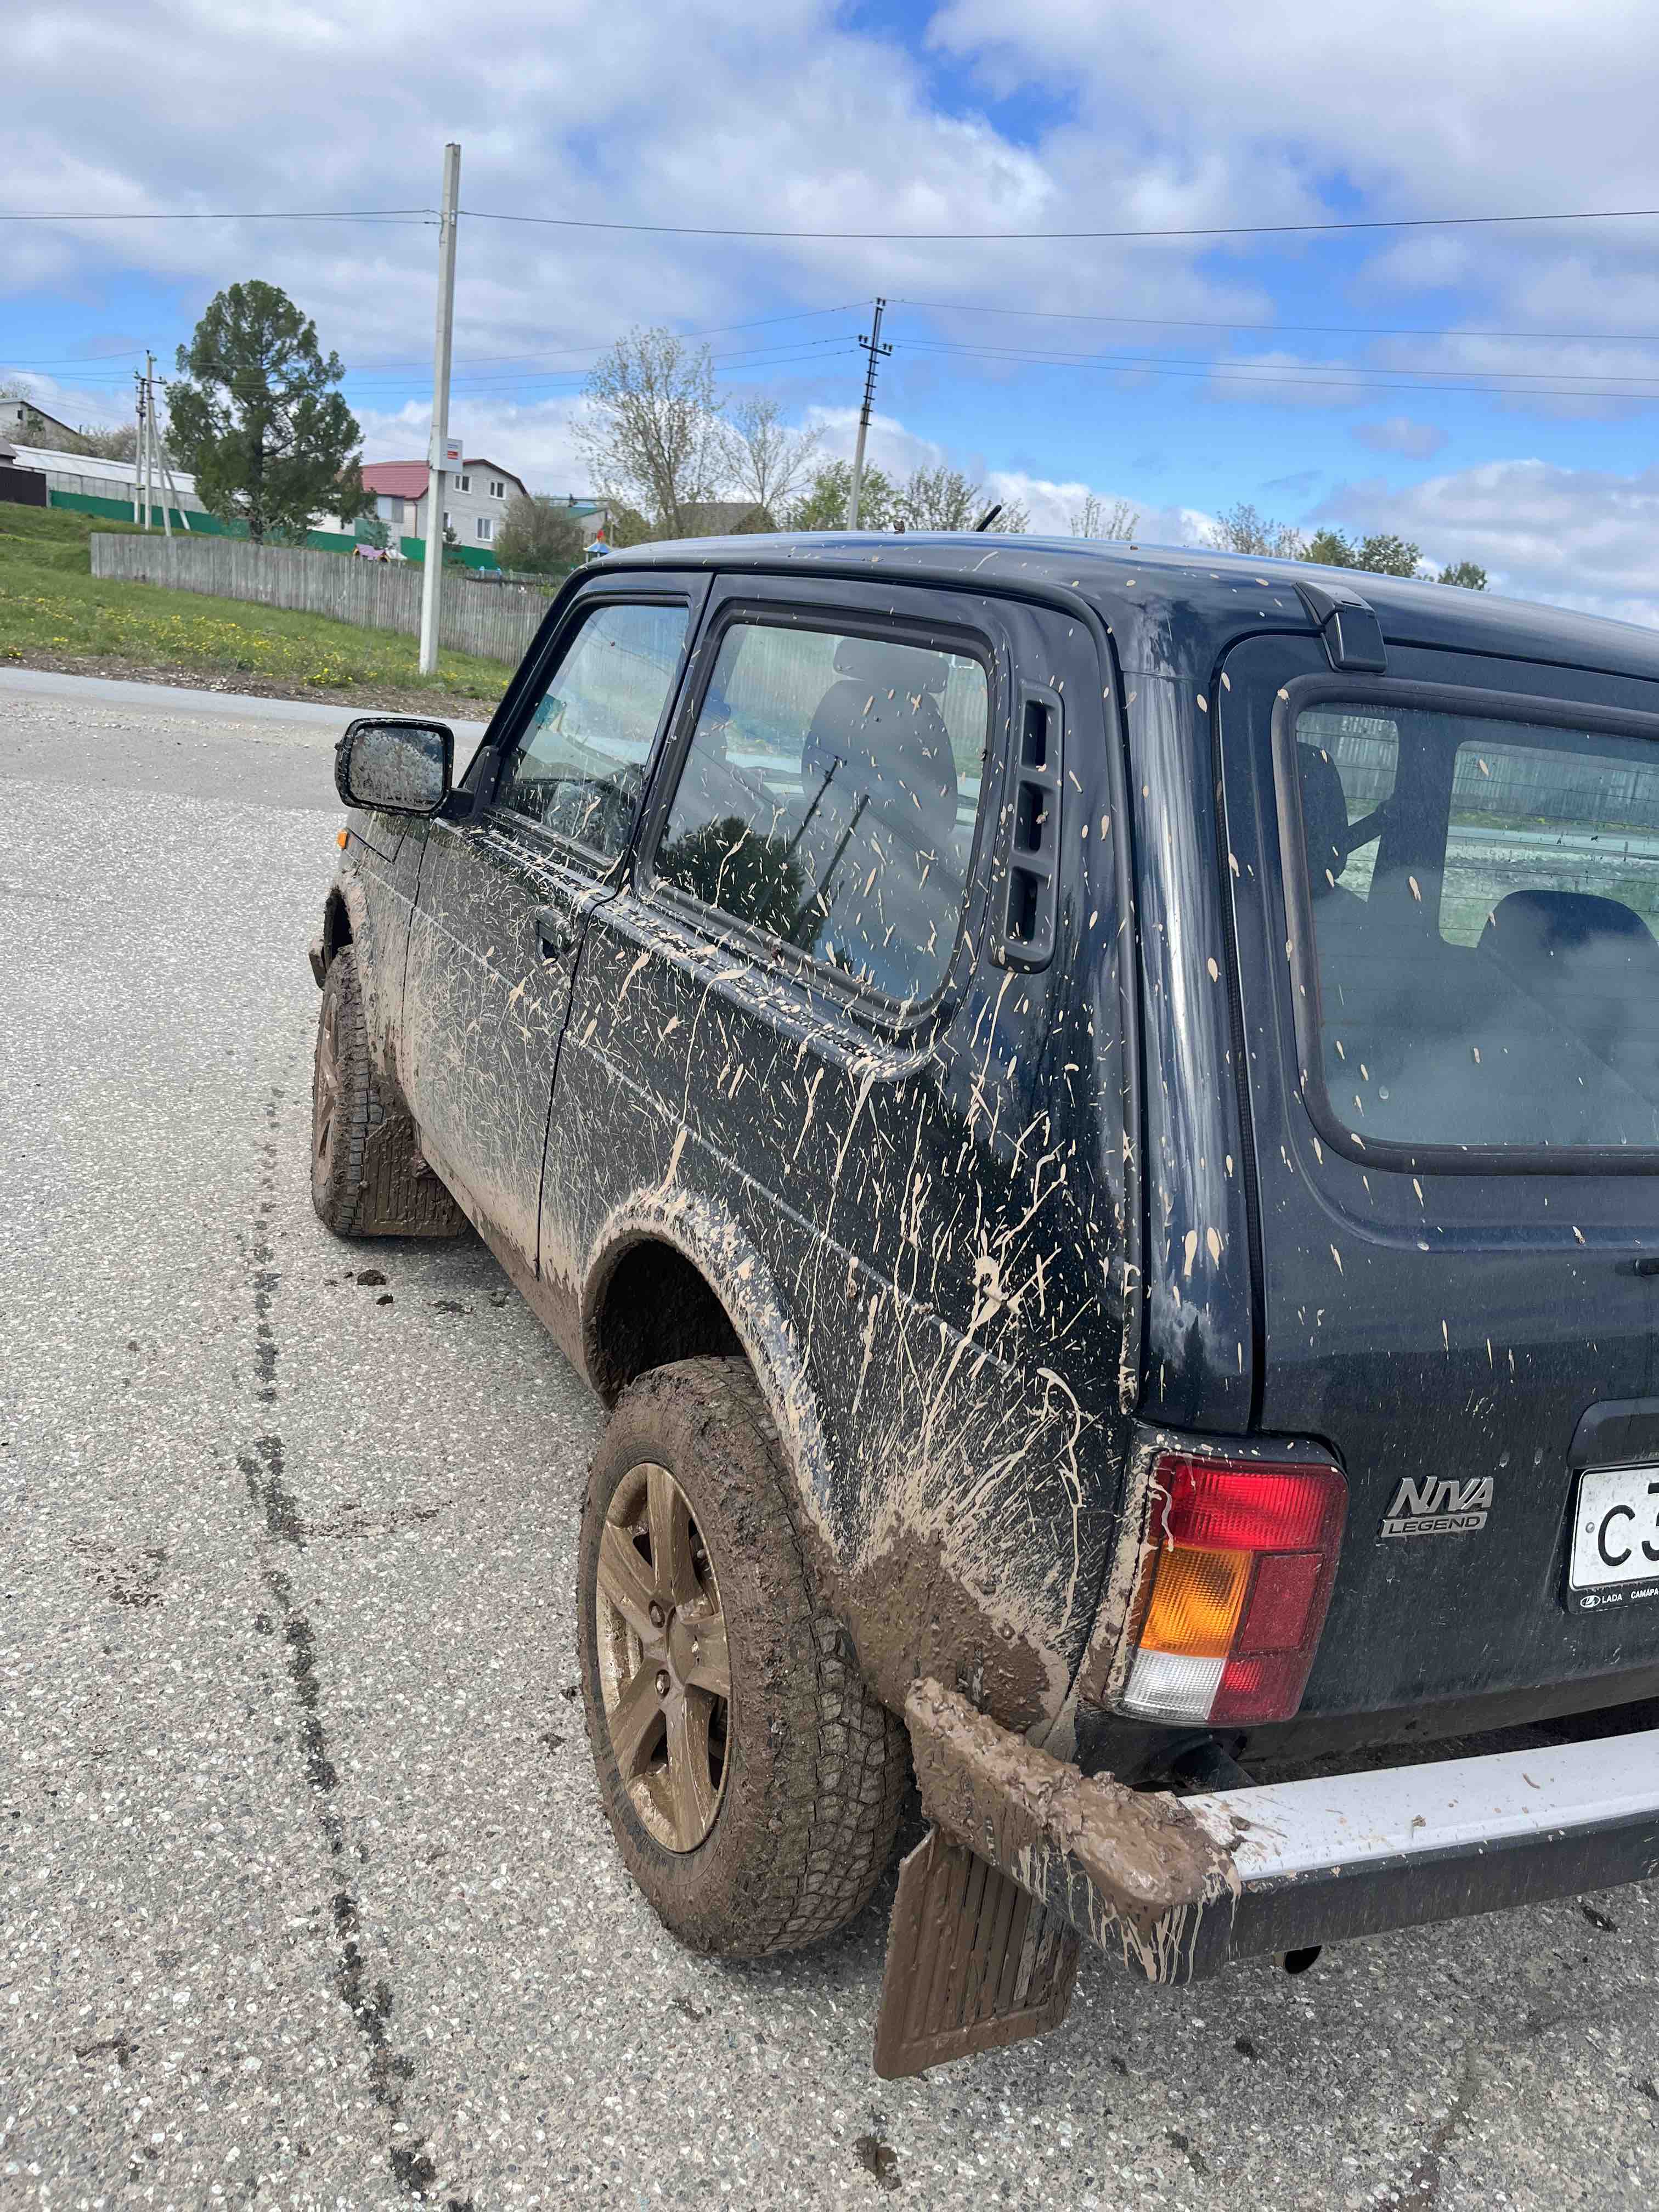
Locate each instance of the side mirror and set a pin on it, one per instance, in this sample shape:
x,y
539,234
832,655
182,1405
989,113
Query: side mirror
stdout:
x,y
395,768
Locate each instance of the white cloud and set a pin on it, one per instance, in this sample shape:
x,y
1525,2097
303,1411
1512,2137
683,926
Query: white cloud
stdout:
x,y
1052,506
1577,538
1400,434
1488,106
534,440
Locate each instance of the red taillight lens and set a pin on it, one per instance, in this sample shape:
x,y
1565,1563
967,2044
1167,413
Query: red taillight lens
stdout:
x,y
1240,1559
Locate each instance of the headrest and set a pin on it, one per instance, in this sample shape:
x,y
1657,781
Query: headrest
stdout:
x,y
1532,929
1324,819
890,667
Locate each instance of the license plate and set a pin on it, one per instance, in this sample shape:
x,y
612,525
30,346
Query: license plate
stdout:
x,y
1615,1539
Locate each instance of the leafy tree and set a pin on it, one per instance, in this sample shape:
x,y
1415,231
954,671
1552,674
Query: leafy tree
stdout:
x,y
372,530
628,527
1096,519
538,535
1330,548
1243,529
652,434
764,460
1385,554
256,417
822,505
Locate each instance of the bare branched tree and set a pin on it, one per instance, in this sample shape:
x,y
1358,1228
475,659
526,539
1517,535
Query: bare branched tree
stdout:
x,y
1242,528
945,499
1098,518
765,460
652,435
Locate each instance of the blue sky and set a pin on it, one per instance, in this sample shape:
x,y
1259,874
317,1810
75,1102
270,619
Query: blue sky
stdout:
x,y
1360,379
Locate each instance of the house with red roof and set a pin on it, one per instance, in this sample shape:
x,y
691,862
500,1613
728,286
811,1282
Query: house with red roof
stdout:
x,y
475,498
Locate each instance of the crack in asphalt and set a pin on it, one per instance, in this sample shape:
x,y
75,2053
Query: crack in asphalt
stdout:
x,y
264,1470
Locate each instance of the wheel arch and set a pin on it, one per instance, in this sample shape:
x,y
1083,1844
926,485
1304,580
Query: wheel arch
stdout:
x,y
339,923
677,1272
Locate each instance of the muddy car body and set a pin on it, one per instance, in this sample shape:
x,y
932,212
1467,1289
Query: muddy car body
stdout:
x,y
1144,1069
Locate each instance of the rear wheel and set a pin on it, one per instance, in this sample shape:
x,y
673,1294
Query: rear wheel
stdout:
x,y
752,1782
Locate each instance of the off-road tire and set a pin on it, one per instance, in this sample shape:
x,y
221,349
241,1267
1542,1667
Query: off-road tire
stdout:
x,y
367,1178
816,1770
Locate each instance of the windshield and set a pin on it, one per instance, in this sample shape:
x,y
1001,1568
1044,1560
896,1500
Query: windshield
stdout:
x,y
1485,903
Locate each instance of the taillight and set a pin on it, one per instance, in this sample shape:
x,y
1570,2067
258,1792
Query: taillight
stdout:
x,y
1241,1555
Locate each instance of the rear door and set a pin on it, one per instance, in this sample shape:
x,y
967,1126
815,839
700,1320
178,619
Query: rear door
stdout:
x,y
505,890
1445,887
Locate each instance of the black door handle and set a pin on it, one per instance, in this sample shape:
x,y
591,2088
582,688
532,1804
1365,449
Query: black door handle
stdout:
x,y
557,932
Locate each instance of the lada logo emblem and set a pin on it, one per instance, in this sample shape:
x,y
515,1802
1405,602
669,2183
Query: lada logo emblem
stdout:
x,y
1438,1505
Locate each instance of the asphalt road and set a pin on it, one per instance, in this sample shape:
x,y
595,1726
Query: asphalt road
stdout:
x,y
307,1897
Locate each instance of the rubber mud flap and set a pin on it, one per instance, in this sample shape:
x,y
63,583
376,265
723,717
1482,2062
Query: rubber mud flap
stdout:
x,y
973,1962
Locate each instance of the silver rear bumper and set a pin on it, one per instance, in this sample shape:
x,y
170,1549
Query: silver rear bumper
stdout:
x,y
1353,1854
1183,1885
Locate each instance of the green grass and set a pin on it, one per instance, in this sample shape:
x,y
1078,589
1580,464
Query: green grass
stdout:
x,y
50,603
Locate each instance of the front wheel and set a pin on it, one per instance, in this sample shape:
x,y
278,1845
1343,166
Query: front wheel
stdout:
x,y
367,1177
752,1782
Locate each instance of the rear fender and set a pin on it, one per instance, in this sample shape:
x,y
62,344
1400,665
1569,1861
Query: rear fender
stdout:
x,y
717,1246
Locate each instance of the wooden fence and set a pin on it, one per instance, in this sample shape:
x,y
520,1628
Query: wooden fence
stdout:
x,y
496,621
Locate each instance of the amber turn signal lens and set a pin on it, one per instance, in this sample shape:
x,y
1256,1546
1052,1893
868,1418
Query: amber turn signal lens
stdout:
x,y
1196,1604
341,840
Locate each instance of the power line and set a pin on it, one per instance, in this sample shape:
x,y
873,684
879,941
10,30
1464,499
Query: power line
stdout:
x,y
1057,237
1338,379
935,237
1300,330
233,214
1342,370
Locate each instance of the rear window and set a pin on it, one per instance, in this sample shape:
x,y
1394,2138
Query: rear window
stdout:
x,y
1484,913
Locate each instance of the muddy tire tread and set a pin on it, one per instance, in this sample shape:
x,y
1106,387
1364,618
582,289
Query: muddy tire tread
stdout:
x,y
373,1190
840,1773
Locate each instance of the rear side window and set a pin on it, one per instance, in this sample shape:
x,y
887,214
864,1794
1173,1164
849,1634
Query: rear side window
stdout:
x,y
828,799
1484,913
580,765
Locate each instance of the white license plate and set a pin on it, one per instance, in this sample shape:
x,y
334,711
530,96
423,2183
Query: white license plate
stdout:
x,y
1615,1538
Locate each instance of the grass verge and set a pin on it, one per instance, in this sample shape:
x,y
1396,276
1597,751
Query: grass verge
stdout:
x,y
53,611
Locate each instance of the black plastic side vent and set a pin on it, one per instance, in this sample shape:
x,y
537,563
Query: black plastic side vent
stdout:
x,y
1348,624
1027,932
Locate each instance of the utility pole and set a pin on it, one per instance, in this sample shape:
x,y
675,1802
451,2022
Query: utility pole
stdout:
x,y
873,346
433,558
138,450
170,497
158,462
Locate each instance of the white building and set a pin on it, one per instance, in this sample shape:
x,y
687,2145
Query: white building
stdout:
x,y
475,498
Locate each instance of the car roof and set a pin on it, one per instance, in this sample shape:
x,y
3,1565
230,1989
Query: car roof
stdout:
x,y
1173,607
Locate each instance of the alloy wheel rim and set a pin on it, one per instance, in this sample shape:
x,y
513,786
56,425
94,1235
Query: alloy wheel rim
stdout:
x,y
664,1670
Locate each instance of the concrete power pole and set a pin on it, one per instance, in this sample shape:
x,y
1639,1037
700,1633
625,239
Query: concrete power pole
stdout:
x,y
873,346
158,465
433,558
139,395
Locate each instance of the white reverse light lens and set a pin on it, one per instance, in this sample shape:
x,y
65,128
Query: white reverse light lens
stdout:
x,y
1168,1685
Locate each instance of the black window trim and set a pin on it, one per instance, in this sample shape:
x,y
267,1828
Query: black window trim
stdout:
x,y
892,1017
610,591
1293,700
